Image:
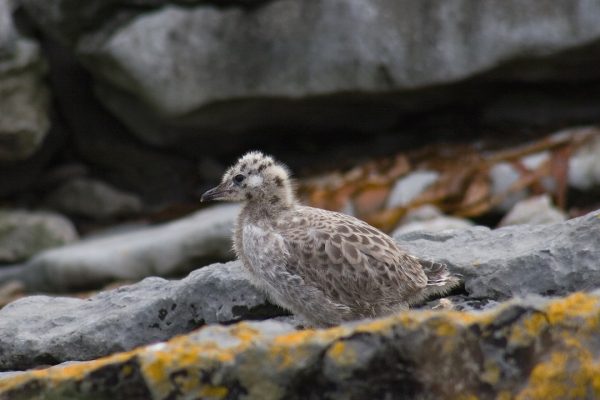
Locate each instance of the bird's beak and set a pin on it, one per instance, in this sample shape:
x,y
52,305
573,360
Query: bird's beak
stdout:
x,y
215,193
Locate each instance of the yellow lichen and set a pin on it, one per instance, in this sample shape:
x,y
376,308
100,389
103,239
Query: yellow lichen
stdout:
x,y
127,370
445,328
568,374
78,370
467,396
215,392
530,328
577,305
547,380
380,325
491,373
294,339
342,354
504,395
244,332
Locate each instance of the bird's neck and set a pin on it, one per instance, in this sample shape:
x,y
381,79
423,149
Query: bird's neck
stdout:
x,y
270,206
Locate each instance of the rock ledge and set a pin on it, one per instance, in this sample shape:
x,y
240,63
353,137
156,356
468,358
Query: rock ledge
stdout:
x,y
527,349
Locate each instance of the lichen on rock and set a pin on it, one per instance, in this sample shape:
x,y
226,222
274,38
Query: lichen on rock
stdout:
x,y
531,348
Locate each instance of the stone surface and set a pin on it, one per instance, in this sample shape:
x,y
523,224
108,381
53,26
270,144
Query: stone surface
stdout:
x,y
411,186
503,175
48,330
584,166
430,218
93,199
529,349
158,176
26,233
534,211
517,260
24,120
169,249
219,83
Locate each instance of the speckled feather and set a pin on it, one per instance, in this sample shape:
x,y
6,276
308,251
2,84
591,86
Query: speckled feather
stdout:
x,y
327,267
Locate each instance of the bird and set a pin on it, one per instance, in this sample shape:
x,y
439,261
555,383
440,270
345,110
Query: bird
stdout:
x,y
324,266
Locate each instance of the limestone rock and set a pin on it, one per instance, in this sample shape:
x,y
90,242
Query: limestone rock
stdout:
x,y
529,349
536,210
429,218
93,199
411,186
584,166
503,175
158,176
24,120
517,260
171,71
25,233
47,330
169,249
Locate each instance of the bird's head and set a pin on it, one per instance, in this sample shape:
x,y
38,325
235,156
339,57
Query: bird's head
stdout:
x,y
254,178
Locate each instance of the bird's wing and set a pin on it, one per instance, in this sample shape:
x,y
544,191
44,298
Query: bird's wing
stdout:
x,y
335,248
268,258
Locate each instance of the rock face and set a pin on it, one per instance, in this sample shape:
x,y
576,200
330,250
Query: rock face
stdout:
x,y
174,71
24,120
47,330
93,199
173,248
531,349
429,218
517,260
24,233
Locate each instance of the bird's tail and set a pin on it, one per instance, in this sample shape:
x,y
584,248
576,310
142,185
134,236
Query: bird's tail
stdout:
x,y
439,280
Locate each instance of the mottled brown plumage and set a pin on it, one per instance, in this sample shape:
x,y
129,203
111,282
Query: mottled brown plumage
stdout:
x,y
325,266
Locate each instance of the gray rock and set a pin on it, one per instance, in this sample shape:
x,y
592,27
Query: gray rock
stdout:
x,y
174,71
158,176
93,199
169,249
583,170
67,21
534,211
25,233
528,349
584,166
410,187
24,120
517,260
47,330
429,218
503,175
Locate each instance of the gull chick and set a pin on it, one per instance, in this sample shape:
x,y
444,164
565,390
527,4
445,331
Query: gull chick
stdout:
x,y
325,266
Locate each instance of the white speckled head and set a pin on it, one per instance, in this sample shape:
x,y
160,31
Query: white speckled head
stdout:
x,y
255,178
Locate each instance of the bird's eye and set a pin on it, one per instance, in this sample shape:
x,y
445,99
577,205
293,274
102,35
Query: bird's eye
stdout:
x,y
238,179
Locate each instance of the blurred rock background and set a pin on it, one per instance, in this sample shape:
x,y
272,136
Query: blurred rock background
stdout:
x,y
116,114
